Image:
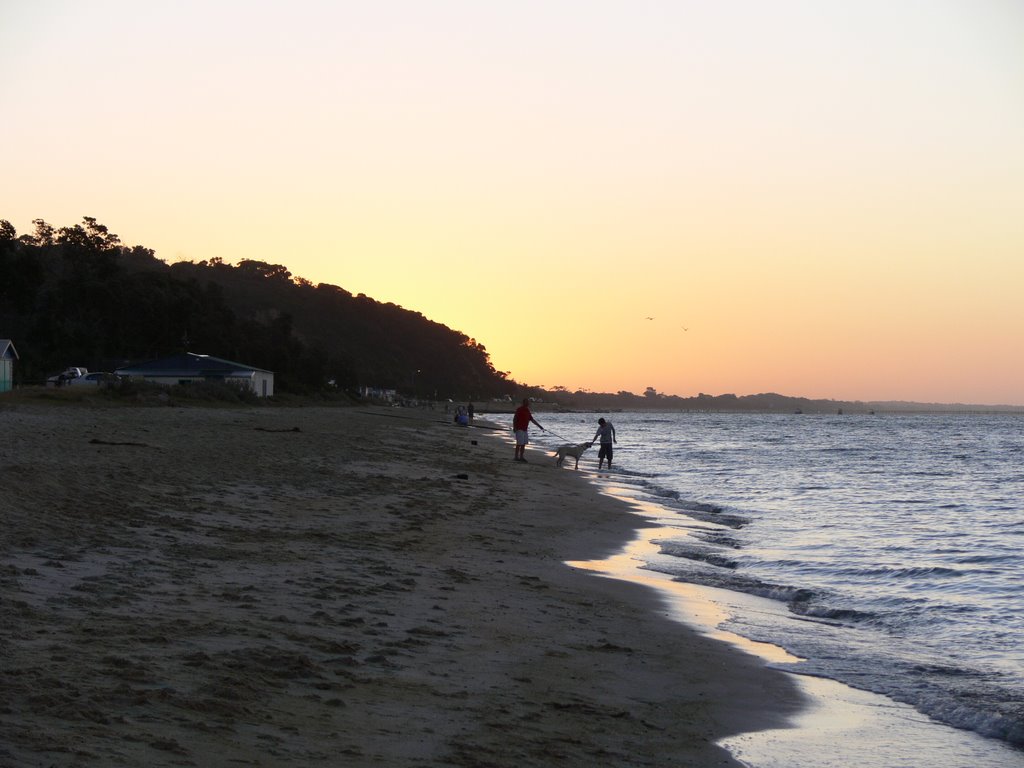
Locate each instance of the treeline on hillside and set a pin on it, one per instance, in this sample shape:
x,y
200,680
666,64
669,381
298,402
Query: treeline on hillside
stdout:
x,y
768,402
654,400
78,296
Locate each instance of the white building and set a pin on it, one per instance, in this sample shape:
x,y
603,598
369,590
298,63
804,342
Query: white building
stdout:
x,y
190,367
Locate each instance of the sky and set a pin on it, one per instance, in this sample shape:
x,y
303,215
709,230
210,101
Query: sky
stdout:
x,y
818,198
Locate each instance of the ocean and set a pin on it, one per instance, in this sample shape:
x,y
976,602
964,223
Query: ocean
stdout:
x,y
884,551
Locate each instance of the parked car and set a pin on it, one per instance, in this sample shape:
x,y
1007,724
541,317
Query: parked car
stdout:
x,y
95,379
62,378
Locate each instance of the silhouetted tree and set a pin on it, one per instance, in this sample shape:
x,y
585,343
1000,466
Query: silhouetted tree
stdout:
x,y
43,235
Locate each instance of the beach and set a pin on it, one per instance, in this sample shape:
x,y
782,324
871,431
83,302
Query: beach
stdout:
x,y
276,586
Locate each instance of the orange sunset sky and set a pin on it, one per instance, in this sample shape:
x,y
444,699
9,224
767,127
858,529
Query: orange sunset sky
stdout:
x,y
820,198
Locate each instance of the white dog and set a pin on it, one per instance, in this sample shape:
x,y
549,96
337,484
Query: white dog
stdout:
x,y
571,450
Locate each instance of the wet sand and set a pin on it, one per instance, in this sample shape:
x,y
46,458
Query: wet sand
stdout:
x,y
332,586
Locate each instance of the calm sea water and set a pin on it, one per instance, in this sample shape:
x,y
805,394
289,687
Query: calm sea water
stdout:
x,y
893,545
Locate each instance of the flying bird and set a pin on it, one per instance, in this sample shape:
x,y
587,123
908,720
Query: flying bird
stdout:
x,y
648,318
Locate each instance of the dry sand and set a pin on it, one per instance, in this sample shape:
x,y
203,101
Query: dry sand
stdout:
x,y
332,587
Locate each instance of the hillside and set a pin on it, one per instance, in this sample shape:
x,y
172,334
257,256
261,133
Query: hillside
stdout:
x,y
77,295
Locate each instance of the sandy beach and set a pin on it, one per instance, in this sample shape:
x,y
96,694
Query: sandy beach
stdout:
x,y
333,586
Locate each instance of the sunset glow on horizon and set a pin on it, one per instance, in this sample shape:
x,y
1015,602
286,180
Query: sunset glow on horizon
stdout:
x,y
815,198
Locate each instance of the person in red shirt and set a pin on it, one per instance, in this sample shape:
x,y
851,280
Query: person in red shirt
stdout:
x,y
520,425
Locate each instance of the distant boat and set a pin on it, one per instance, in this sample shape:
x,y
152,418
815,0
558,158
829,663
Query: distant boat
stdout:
x,y
839,412
798,410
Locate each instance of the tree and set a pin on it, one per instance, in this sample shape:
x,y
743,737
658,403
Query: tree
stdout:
x,y
44,233
264,270
93,236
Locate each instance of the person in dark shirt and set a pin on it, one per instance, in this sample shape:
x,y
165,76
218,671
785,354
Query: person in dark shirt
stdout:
x,y
606,433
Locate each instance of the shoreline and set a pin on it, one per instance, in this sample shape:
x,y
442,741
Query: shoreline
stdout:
x,y
282,586
840,725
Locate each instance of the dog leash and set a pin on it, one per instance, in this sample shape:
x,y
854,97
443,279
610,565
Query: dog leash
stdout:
x,y
558,435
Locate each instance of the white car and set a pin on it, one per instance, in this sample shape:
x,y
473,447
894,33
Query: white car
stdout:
x,y
95,379
60,379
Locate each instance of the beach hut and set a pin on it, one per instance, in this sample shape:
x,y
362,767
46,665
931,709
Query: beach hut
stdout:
x,y
8,354
190,367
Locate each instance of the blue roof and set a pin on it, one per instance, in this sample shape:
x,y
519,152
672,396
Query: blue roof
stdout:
x,y
189,364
